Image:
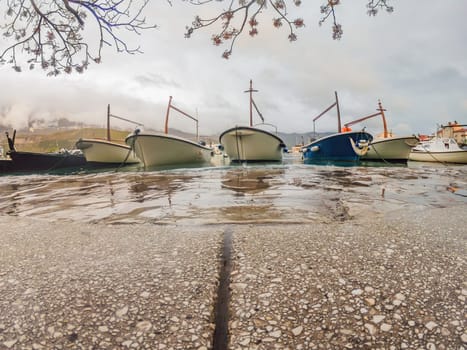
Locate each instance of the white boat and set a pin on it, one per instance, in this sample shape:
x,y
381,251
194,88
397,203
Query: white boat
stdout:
x,y
157,149
106,151
98,151
243,143
392,149
386,147
438,149
252,143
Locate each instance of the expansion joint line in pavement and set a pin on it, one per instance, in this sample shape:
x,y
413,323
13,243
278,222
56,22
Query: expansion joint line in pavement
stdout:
x,y
221,310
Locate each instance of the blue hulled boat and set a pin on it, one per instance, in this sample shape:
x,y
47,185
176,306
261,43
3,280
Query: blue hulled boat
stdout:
x,y
345,145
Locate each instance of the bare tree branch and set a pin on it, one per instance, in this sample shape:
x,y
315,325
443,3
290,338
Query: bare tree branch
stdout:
x,y
52,32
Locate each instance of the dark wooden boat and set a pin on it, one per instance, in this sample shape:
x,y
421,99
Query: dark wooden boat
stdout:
x,y
6,165
36,161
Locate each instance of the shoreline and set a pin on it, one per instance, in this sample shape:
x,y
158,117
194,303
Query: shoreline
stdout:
x,y
369,282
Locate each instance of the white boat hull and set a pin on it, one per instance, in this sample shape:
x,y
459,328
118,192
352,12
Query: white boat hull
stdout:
x,y
391,149
251,144
106,152
163,149
441,157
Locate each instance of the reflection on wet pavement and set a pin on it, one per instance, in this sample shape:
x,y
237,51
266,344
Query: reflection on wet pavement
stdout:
x,y
242,194
249,181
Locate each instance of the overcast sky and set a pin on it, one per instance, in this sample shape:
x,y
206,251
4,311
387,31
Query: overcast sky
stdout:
x,y
414,60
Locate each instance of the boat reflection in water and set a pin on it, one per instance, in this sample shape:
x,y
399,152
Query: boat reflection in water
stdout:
x,y
255,195
287,193
250,181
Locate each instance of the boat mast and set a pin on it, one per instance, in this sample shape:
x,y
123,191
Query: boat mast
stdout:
x,y
109,115
338,114
251,101
108,122
166,129
327,110
381,110
181,112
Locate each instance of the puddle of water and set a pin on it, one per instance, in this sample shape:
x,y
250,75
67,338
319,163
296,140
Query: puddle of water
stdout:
x,y
288,192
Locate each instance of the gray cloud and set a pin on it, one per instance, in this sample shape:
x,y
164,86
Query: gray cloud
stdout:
x,y
155,80
414,63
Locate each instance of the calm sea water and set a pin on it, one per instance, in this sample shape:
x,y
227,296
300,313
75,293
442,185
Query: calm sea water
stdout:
x,y
219,193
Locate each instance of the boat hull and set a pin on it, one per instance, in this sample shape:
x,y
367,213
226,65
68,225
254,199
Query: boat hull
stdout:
x,y
6,165
459,157
251,144
163,149
31,161
336,147
391,149
106,152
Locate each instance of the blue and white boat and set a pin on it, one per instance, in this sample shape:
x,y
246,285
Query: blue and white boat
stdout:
x,y
345,145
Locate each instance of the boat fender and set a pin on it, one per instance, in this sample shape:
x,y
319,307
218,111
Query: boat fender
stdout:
x,y
285,150
314,149
202,143
363,143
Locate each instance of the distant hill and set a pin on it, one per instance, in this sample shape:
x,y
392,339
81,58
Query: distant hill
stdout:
x,y
53,139
292,139
50,140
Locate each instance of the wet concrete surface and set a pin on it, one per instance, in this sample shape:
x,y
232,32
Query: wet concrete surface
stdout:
x,y
318,258
274,193
366,283
92,286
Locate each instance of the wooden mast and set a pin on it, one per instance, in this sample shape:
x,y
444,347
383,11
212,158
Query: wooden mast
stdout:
x,y
381,110
251,101
108,122
327,110
338,114
166,129
181,112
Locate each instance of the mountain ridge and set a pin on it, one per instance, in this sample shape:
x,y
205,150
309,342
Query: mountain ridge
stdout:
x,y
49,139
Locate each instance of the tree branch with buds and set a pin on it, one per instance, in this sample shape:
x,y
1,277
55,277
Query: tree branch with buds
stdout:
x,y
55,34
248,11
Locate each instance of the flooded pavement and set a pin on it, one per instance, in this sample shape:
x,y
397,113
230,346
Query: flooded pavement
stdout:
x,y
289,192
277,256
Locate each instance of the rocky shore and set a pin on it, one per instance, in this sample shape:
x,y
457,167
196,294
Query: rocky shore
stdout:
x,y
388,282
